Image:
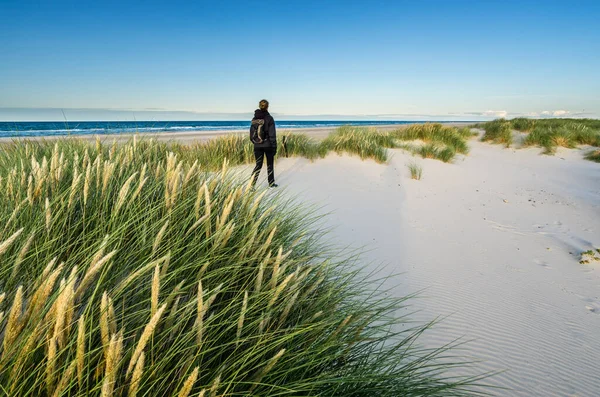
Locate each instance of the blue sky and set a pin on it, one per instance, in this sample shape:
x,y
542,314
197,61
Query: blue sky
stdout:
x,y
320,59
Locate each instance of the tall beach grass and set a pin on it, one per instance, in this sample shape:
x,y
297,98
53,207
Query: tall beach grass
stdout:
x,y
147,269
546,133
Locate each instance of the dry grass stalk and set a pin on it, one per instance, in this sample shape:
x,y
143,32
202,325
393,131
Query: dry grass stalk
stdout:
x,y
226,211
124,191
175,184
13,324
226,236
267,368
96,266
288,307
73,193
5,245
159,237
112,318
200,313
109,168
165,265
100,253
30,189
280,289
86,184
139,272
148,331
51,364
196,224
199,198
104,327
211,299
261,270
190,173
240,324
44,290
203,269
112,364
48,215
263,323
64,304
155,291
21,255
275,275
189,383
313,288
341,326
215,386
207,211
13,216
137,376
80,353
99,173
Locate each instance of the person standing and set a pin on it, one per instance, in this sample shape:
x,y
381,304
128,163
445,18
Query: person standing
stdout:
x,y
264,138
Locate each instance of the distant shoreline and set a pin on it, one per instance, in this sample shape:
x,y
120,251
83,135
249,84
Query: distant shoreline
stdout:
x,y
188,137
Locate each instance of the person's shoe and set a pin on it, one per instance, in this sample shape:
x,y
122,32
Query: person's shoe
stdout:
x,y
273,186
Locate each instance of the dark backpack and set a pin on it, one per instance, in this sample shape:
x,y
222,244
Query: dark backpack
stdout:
x,y
258,133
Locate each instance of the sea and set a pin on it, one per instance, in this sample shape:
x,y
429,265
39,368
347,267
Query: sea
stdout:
x,y
54,128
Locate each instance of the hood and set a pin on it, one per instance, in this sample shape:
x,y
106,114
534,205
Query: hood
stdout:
x,y
260,114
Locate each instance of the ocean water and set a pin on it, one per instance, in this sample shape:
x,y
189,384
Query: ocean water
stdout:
x,y
54,128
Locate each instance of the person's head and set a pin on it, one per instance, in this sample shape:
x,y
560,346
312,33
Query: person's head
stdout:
x,y
263,104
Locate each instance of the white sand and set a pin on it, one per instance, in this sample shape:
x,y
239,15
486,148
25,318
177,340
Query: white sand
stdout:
x,y
494,239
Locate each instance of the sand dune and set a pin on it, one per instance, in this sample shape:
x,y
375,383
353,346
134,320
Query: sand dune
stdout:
x,y
494,242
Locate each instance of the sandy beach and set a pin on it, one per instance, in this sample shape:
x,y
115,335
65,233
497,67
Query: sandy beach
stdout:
x,y
492,242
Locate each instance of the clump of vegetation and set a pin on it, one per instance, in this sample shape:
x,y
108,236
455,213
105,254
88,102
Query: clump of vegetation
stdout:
x,y
498,131
546,133
568,136
301,145
442,136
590,256
136,269
365,142
594,155
523,124
438,141
416,171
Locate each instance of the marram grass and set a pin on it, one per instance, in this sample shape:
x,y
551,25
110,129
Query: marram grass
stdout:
x,y
546,133
138,270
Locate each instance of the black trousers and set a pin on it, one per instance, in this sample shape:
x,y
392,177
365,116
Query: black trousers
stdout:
x,y
260,153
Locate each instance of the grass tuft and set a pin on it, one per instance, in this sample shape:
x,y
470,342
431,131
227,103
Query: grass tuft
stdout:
x,y
498,131
416,171
594,156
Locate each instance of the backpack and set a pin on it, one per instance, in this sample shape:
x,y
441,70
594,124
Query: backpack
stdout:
x,y
257,131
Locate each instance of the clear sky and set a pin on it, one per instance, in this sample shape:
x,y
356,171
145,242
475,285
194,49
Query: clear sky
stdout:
x,y
397,59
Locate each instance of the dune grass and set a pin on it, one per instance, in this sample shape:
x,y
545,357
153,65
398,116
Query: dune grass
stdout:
x,y
498,131
594,155
365,142
566,135
416,171
137,269
546,133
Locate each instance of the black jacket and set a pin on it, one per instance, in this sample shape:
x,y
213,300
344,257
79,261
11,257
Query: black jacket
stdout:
x,y
271,140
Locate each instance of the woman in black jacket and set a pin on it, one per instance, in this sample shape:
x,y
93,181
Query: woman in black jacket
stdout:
x,y
267,146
